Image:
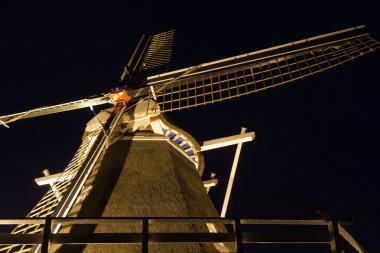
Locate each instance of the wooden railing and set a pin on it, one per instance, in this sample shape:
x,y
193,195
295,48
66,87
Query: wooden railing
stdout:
x,y
244,234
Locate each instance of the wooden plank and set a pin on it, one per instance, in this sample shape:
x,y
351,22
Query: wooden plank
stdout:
x,y
30,239
285,238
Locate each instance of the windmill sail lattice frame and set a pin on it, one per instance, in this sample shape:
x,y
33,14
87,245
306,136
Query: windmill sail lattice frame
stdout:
x,y
257,71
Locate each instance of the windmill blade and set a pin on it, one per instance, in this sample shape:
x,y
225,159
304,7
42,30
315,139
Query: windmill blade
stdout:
x,y
160,50
151,53
55,109
257,71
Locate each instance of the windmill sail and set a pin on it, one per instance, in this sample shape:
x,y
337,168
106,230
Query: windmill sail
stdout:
x,y
46,110
160,50
252,72
151,53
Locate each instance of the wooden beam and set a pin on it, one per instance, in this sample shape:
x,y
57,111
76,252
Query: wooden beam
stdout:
x,y
227,141
51,179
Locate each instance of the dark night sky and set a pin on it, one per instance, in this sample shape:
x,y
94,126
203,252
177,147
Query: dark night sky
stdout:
x,y
317,139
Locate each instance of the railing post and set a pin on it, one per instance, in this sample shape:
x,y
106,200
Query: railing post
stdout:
x,y
334,236
145,235
238,236
46,237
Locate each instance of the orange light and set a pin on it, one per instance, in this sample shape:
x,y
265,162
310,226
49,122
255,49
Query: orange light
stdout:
x,y
119,96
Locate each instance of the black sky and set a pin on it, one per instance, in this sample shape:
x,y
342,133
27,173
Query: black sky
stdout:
x,y
317,142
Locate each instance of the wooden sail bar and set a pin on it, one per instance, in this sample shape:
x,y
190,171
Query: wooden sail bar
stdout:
x,y
253,72
46,110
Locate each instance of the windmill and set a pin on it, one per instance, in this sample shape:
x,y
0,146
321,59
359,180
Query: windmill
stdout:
x,y
136,121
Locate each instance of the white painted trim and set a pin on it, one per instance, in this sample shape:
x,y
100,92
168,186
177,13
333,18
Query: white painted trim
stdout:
x,y
155,123
51,179
176,146
232,177
153,93
227,141
210,183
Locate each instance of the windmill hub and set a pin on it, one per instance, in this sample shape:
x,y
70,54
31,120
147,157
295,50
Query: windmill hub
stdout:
x,y
136,118
117,96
